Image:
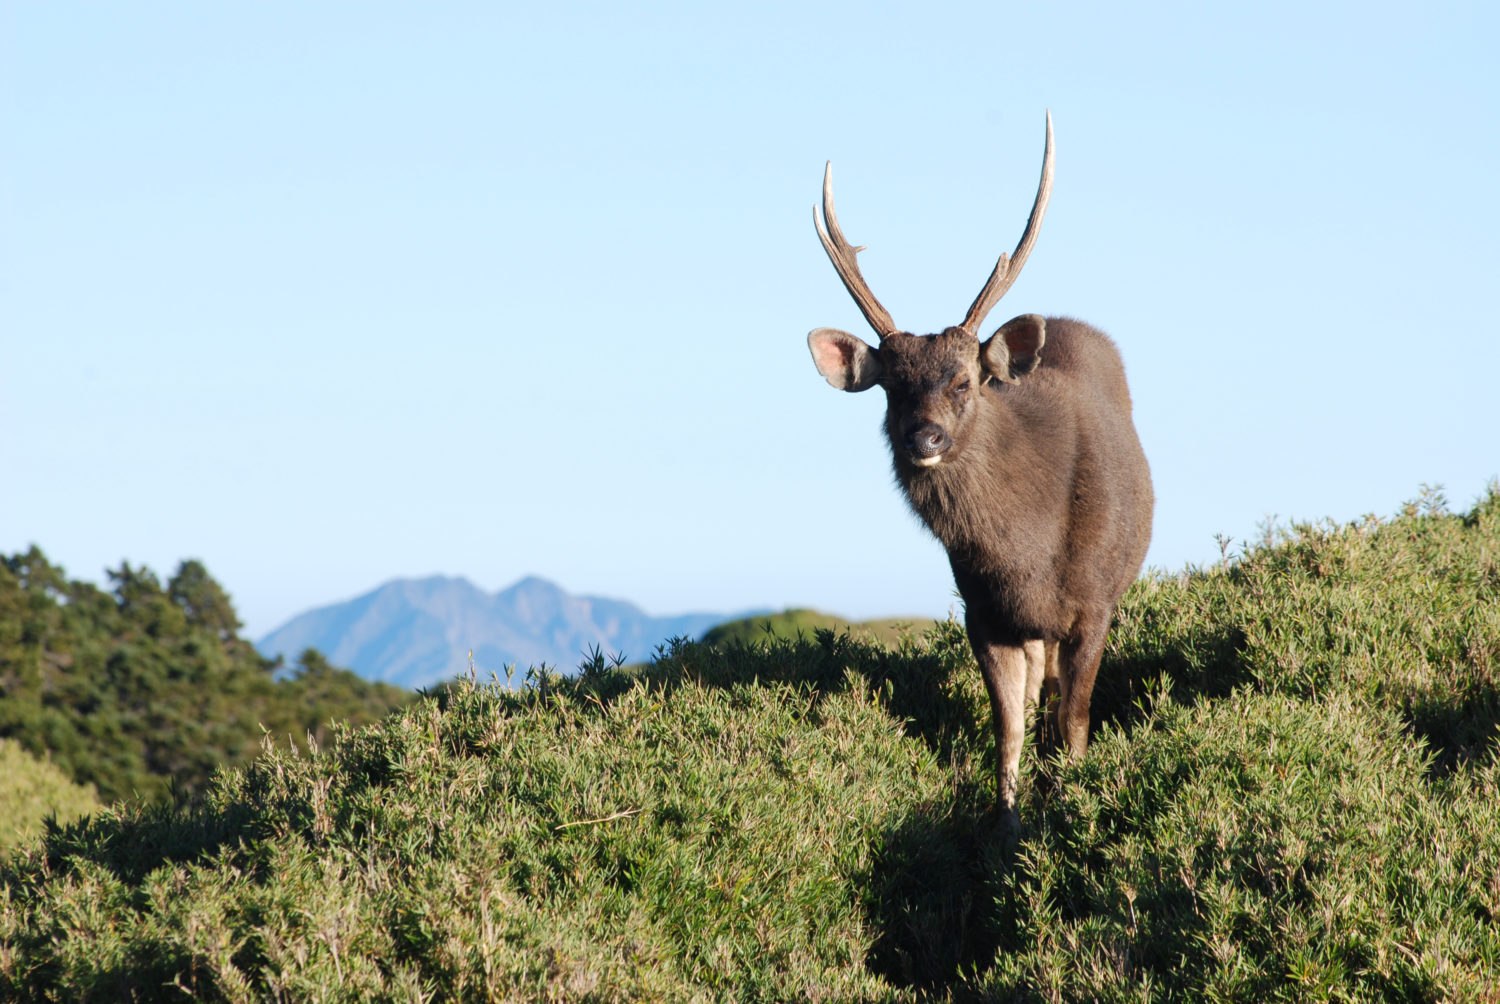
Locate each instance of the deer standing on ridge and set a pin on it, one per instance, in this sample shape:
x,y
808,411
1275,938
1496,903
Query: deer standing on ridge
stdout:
x,y
1020,456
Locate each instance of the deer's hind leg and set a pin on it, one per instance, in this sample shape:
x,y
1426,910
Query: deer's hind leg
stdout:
x,y
1046,689
1078,664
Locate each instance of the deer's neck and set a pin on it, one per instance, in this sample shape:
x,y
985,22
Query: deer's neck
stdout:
x,y
987,504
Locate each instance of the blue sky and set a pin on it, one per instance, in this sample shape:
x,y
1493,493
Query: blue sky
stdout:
x,y
325,294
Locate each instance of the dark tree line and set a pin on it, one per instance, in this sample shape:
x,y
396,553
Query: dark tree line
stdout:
x,y
145,689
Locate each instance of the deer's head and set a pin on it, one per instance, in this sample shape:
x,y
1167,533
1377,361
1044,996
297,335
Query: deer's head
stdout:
x,y
932,383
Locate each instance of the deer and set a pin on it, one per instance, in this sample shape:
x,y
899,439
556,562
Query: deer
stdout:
x,y
1020,455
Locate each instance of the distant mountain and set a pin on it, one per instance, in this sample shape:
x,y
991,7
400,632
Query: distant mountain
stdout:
x,y
417,632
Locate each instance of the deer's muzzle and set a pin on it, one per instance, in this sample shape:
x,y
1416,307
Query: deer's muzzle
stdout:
x,y
927,444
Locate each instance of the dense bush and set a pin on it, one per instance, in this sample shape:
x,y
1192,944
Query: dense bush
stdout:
x,y
556,844
1403,614
1293,795
1258,848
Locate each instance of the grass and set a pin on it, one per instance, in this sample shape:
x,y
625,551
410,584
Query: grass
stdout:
x,y
1293,794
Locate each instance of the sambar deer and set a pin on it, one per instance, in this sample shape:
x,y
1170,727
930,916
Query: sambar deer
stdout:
x,y
1019,454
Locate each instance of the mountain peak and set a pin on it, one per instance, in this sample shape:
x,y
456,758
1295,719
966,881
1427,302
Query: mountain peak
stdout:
x,y
534,584
422,585
419,631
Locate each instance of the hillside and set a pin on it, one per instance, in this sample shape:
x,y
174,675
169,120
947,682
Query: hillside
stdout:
x,y
419,632
1293,794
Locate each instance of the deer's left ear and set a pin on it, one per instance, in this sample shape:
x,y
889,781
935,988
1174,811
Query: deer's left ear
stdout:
x,y
1015,348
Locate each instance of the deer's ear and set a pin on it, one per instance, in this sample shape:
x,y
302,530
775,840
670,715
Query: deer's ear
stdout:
x,y
845,361
1015,348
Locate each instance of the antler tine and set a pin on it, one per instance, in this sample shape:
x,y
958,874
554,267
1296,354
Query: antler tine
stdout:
x,y
1009,266
842,253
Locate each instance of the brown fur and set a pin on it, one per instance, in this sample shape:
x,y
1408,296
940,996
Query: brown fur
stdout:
x,y
1044,501
1040,493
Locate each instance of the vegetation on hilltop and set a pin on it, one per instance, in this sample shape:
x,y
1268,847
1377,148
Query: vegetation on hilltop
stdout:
x,y
1294,795
799,622
149,687
33,790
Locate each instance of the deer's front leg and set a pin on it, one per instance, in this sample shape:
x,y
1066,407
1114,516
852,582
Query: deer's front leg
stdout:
x,y
1005,677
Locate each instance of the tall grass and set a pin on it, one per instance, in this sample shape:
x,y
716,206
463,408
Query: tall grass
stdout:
x,y
1293,795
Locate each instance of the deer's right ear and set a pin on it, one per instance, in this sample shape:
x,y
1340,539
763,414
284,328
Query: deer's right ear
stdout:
x,y
845,361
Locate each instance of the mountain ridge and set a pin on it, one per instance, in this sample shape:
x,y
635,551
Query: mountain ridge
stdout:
x,y
419,631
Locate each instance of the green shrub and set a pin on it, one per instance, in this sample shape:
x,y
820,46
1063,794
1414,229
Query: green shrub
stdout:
x,y
710,840
32,791
1405,614
1257,848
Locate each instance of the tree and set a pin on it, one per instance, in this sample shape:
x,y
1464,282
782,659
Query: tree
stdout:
x,y
202,599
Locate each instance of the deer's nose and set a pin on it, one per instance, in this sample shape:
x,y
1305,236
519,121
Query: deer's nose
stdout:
x,y
928,441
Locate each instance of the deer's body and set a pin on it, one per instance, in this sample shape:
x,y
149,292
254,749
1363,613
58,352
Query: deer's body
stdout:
x,y
1046,511
1020,455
